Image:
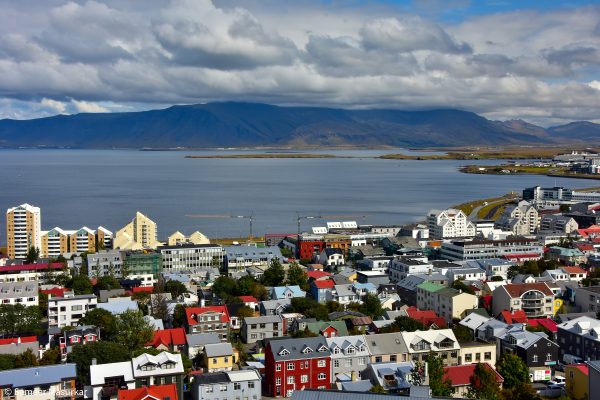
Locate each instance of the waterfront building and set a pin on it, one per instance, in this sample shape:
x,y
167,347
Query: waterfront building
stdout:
x,y
516,249
55,242
450,223
23,230
195,238
191,257
140,233
520,219
82,240
558,223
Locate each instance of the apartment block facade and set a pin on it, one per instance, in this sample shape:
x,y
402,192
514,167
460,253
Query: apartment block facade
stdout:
x,y
23,230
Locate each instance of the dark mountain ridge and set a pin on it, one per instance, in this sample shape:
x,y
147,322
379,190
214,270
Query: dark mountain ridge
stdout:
x,y
233,124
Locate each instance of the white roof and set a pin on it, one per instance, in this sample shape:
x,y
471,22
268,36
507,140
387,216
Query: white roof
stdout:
x,y
243,375
431,336
101,371
25,206
157,360
474,321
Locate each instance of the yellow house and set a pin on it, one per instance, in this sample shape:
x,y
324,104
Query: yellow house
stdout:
x,y
219,357
577,381
558,305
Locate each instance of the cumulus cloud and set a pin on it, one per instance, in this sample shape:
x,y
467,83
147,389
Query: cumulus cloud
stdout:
x,y
113,55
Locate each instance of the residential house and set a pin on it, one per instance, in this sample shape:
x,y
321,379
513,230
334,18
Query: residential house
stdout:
x,y
229,385
332,257
491,330
427,317
374,277
558,223
473,321
362,289
387,347
349,357
107,379
263,327
239,258
39,382
119,305
521,219
580,337
450,223
208,319
593,379
577,381
477,352
576,274
296,364
359,324
343,294
77,335
160,392
536,299
587,298
448,303
320,289
161,369
169,340
67,310
394,377
195,342
274,307
537,351
441,341
566,256
466,274
24,293
375,263
286,292
218,357
407,287
460,378
323,328
105,263
496,267
404,266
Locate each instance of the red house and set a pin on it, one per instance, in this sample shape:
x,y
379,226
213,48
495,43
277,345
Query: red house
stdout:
x,y
296,364
307,248
426,317
208,319
150,393
169,339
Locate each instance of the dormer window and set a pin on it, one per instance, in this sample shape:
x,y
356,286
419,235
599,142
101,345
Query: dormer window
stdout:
x,y
148,367
284,352
336,350
168,365
307,350
350,350
322,349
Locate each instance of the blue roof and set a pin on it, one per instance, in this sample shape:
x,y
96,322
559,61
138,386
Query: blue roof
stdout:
x,y
279,292
367,286
37,376
120,306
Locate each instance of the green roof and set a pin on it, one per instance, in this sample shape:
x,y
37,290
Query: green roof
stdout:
x,y
317,327
566,252
431,286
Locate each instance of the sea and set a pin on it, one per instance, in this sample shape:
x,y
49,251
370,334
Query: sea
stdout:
x,y
92,188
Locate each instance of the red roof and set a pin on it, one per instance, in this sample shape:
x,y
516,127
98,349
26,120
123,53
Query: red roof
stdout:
x,y
324,284
248,299
582,367
516,317
55,292
522,255
426,317
317,274
517,289
585,247
193,312
589,230
460,375
168,337
7,269
544,322
155,392
574,270
148,289
23,339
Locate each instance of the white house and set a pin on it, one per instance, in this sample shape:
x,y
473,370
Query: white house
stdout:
x,y
450,223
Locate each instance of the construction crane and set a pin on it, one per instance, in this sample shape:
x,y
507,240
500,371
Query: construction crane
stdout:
x,y
250,218
301,217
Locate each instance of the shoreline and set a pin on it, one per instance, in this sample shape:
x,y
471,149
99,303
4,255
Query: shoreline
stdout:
x,y
508,170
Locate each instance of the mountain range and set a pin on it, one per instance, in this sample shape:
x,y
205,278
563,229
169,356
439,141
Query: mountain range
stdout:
x,y
234,124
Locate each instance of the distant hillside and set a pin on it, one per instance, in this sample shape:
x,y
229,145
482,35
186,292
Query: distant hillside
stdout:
x,y
250,124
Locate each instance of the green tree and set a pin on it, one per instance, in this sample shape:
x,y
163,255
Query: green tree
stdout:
x,y
51,357
523,391
143,300
439,384
33,254
103,319
176,288
81,284
26,359
274,275
244,312
378,389
462,333
133,329
334,306
107,282
371,306
43,303
460,285
7,361
404,324
179,316
417,374
513,369
16,319
484,385
297,276
103,351
497,278
309,308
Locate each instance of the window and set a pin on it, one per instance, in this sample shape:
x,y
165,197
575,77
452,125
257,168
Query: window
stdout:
x,y
378,359
290,380
336,363
304,379
223,388
278,381
336,350
361,361
350,350
290,366
535,358
321,376
278,367
214,360
237,386
487,356
250,385
321,363
548,357
468,358
393,358
348,362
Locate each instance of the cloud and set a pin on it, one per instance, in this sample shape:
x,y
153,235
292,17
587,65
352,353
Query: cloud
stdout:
x,y
116,55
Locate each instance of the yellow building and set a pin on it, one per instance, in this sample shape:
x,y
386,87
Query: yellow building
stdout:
x,y
139,234
219,357
104,238
476,352
195,238
558,305
577,377
82,240
23,230
55,242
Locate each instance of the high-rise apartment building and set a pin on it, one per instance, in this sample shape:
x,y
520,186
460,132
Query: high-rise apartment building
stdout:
x,y
23,229
139,234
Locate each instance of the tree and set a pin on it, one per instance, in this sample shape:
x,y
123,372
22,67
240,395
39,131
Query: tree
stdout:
x,y
440,385
102,351
7,361
26,359
274,275
371,306
51,357
133,329
513,369
179,316
309,308
43,303
563,208
404,324
484,385
497,278
462,333
378,389
103,319
417,374
16,319
107,283
297,276
81,284
176,288
32,255
522,392
244,312
460,285
159,306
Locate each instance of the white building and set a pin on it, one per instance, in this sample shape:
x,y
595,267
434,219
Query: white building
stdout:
x,y
450,223
104,263
66,311
558,223
191,257
401,267
521,219
24,293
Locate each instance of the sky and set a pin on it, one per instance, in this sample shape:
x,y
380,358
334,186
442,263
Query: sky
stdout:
x,y
532,60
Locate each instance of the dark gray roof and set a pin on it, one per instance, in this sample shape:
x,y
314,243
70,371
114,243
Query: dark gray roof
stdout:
x,y
201,339
214,377
37,376
312,394
295,347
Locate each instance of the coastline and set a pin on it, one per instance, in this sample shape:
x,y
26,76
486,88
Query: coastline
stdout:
x,y
508,169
